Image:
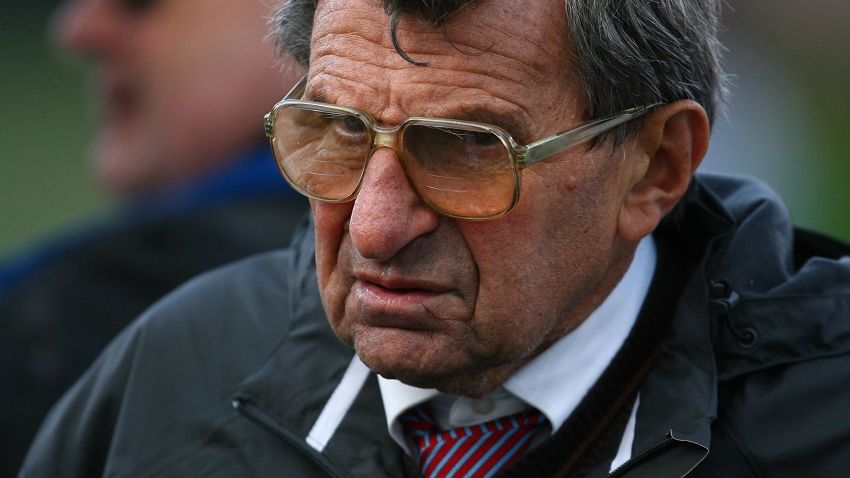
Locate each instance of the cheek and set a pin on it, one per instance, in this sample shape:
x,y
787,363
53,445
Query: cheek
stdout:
x,y
542,259
331,223
334,276
512,311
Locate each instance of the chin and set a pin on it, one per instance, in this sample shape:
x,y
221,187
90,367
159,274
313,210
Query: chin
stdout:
x,y
403,368
425,360
406,367
473,383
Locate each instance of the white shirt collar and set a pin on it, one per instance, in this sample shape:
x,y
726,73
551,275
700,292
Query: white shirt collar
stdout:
x,y
555,381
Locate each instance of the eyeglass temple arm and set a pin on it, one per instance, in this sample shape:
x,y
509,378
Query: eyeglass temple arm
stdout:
x,y
295,92
546,147
297,89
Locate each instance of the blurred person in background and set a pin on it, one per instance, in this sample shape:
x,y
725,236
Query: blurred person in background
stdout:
x,y
188,162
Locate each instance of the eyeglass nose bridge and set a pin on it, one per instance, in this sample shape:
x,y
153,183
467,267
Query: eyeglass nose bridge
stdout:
x,y
390,137
387,137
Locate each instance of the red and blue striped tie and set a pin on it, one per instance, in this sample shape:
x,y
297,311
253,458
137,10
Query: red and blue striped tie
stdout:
x,y
476,451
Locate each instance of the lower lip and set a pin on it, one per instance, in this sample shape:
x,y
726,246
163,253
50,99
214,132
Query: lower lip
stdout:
x,y
404,308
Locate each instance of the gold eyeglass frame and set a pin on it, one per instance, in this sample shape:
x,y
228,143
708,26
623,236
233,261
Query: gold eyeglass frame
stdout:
x,y
520,156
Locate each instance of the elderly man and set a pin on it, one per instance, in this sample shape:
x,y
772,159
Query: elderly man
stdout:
x,y
511,269
187,160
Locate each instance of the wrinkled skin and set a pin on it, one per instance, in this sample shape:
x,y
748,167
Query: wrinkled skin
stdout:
x,y
459,305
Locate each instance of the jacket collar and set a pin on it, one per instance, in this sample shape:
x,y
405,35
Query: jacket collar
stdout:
x,y
678,398
753,302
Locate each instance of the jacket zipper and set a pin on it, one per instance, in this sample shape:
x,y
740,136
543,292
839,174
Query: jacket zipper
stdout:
x,y
254,414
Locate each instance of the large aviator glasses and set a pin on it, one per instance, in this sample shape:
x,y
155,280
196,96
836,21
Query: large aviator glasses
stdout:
x,y
461,169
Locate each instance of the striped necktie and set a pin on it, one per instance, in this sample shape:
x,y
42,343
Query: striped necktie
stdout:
x,y
475,451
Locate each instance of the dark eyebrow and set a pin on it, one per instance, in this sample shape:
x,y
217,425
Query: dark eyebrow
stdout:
x,y
318,97
509,122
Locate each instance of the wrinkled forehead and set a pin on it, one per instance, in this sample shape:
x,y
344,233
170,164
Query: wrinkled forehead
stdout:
x,y
519,42
521,21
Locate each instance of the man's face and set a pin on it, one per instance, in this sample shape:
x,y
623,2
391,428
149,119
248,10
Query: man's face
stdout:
x,y
458,305
182,84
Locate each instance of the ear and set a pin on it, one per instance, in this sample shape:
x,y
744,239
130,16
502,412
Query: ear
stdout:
x,y
670,146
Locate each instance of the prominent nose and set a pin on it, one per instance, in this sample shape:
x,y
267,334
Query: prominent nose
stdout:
x,y
89,27
387,213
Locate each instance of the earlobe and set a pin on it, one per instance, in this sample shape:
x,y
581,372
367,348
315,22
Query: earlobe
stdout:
x,y
673,141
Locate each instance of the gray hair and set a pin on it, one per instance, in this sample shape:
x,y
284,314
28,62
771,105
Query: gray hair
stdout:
x,y
627,53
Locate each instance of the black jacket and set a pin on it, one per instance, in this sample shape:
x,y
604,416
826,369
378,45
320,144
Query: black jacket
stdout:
x,y
81,289
228,376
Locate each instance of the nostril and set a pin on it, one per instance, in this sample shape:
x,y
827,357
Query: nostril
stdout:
x,y
387,213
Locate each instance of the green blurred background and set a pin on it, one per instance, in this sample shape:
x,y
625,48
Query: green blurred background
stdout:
x,y
787,124
44,131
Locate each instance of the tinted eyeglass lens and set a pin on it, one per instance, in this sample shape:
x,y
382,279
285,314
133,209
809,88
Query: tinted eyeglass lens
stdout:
x,y
462,172
322,154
